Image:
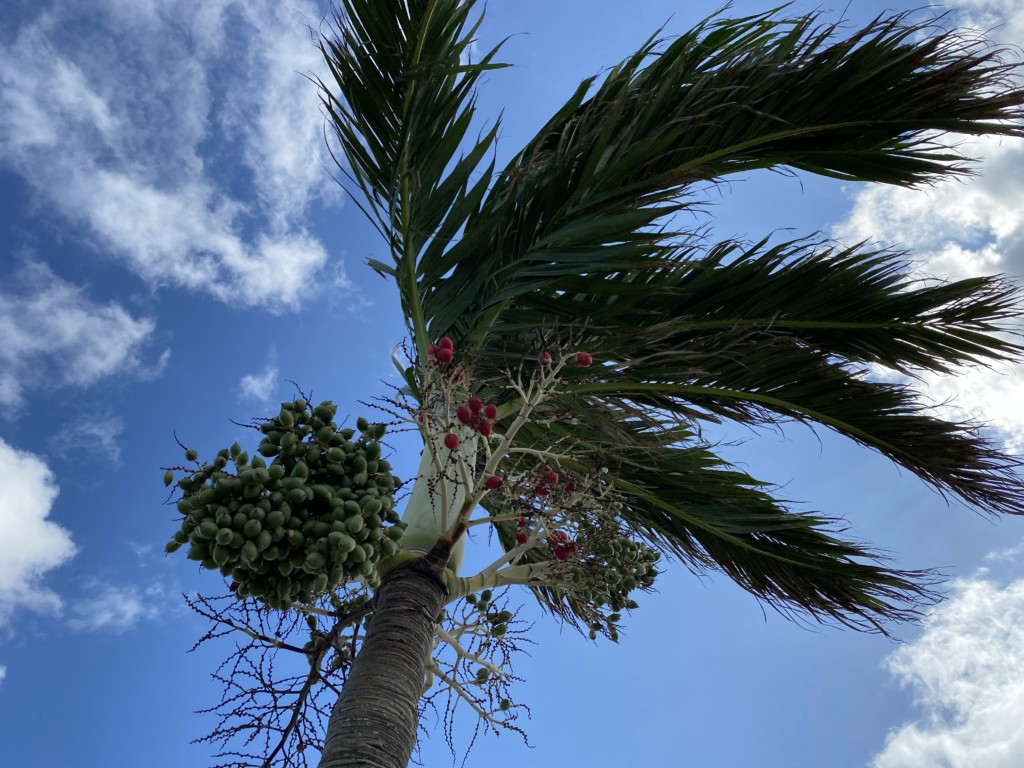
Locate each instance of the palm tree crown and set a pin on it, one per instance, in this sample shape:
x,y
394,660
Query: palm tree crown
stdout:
x,y
573,239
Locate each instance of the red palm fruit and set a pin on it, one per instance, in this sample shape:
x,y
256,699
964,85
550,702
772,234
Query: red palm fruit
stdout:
x,y
522,537
569,488
550,476
491,411
584,359
544,358
485,428
561,554
543,491
451,442
521,522
445,343
444,355
431,350
572,547
462,414
234,586
476,404
493,483
558,536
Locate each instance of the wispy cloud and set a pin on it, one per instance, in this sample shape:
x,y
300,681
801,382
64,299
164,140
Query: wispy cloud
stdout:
x,y
91,437
967,674
3,672
51,333
115,609
180,137
261,385
30,545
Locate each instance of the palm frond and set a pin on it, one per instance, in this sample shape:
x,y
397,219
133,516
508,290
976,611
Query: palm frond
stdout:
x,y
731,95
685,499
401,104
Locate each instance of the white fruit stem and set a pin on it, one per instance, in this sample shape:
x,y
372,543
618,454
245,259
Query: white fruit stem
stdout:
x,y
451,640
446,492
530,574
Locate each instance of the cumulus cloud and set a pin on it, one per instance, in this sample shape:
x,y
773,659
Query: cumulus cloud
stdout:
x,y
30,545
115,609
50,332
967,674
181,137
963,228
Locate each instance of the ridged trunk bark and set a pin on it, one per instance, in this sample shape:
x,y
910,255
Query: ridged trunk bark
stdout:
x,y
374,722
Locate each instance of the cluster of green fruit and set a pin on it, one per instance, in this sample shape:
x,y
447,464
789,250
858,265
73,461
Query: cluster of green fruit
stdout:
x,y
617,567
310,521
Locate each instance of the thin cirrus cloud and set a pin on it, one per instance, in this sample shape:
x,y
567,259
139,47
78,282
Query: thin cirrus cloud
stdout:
x,y
30,544
182,138
116,609
966,671
51,334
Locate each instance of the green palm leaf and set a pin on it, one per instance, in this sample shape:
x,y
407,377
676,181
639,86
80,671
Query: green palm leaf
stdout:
x,y
573,243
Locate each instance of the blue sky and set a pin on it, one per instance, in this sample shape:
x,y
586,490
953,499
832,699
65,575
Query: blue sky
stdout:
x,y
173,250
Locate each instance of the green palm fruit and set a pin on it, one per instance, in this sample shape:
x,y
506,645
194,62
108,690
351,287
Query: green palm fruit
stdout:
x,y
208,529
300,470
252,528
354,524
286,418
347,433
313,454
241,459
224,536
362,424
168,477
268,449
249,551
172,546
314,562
373,450
191,455
235,449
371,506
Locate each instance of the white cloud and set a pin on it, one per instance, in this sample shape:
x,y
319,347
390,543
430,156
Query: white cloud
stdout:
x,y
149,125
963,228
115,609
90,438
3,672
261,385
30,545
51,333
967,673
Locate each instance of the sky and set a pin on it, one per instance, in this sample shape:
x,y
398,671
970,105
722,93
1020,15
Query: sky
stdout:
x,y
174,252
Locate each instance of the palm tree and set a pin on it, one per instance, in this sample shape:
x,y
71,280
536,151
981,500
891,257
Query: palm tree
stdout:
x,y
571,246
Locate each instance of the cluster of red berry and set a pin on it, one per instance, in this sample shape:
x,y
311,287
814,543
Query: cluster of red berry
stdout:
x,y
443,352
477,415
547,479
583,359
562,545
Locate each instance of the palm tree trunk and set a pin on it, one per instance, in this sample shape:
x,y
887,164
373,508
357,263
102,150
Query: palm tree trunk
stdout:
x,y
374,722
